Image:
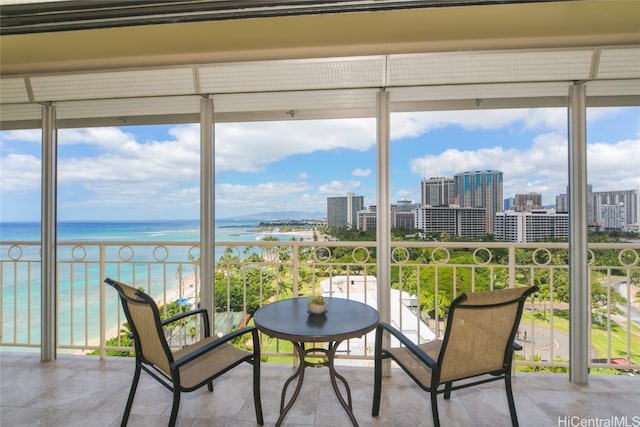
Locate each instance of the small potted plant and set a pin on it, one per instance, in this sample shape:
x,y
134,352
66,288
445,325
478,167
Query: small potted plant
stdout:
x,y
317,304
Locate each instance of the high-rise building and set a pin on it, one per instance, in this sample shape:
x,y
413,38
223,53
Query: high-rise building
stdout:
x,y
562,204
525,227
480,189
406,205
438,192
406,219
629,198
460,222
595,200
612,217
342,212
509,203
528,202
403,215
367,219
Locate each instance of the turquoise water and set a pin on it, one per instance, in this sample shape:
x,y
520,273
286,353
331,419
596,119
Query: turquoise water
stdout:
x,y
20,299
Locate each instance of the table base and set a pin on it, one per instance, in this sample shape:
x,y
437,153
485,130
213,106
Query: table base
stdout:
x,y
299,374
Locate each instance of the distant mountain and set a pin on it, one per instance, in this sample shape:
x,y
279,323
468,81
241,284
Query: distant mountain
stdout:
x,y
282,215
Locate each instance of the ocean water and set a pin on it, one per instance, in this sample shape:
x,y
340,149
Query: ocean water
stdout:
x,y
132,231
117,231
20,298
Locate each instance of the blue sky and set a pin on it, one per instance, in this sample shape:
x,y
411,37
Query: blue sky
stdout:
x,y
152,172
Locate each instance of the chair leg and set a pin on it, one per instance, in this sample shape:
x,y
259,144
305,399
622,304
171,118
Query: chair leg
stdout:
x,y
434,407
174,407
257,401
377,384
447,390
132,393
512,405
210,386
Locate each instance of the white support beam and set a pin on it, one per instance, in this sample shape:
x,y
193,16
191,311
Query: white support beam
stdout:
x,y
383,219
579,306
207,208
49,285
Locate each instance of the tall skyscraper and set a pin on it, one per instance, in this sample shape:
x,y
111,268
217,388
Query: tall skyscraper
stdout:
x,y
342,212
438,192
480,189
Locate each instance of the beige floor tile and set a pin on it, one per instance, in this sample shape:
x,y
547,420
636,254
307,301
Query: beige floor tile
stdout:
x,y
82,390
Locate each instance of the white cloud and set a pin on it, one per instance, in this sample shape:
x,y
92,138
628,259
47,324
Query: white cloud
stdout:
x,y
338,188
614,166
361,172
124,159
250,147
31,136
416,124
240,199
20,172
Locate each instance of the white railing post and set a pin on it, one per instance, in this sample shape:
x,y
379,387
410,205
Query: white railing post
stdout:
x,y
295,259
512,266
103,303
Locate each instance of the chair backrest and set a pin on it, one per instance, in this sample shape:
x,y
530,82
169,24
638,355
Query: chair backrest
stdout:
x,y
481,327
144,320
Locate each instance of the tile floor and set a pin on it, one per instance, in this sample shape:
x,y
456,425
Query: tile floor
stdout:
x,y
84,391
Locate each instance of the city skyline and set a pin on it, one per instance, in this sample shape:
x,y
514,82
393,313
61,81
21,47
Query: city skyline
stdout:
x,y
152,172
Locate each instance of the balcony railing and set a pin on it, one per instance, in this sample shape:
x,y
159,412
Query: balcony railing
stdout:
x,y
426,277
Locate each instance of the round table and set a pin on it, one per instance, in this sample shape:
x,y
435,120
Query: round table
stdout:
x,y
290,320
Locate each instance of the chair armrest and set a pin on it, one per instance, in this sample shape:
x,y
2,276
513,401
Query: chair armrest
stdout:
x,y
220,341
515,346
202,311
184,314
424,357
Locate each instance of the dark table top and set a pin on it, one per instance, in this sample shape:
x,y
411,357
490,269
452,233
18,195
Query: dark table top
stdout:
x,y
289,319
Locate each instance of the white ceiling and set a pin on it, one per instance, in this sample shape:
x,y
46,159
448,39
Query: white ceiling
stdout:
x,y
324,88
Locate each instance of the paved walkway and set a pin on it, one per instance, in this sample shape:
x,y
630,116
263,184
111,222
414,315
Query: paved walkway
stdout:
x,y
545,344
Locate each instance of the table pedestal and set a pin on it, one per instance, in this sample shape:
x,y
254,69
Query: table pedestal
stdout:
x,y
290,320
333,375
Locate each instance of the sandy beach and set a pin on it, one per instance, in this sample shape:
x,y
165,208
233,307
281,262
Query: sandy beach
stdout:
x,y
186,291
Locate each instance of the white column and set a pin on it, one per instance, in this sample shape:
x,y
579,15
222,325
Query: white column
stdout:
x,y
579,306
207,208
383,212
49,286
